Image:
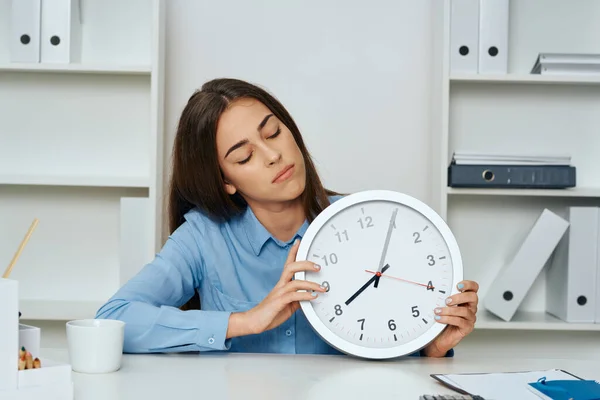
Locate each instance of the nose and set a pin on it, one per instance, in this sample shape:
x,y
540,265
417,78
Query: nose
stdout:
x,y
273,156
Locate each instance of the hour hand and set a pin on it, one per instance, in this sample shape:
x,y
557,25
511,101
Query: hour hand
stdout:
x,y
378,274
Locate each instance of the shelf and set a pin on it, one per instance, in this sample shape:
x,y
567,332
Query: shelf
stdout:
x,y
65,180
61,310
526,320
527,79
78,68
570,192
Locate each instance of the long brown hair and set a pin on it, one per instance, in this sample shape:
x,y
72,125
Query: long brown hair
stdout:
x,y
197,181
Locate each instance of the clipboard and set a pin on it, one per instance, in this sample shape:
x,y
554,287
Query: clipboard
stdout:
x,y
502,385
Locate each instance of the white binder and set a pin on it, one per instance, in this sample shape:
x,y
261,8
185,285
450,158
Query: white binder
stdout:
x,y
493,36
24,28
60,31
512,283
464,36
571,276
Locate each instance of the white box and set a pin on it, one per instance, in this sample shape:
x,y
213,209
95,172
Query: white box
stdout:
x,y
29,337
135,241
493,36
24,34
512,283
52,381
9,334
464,36
571,276
60,31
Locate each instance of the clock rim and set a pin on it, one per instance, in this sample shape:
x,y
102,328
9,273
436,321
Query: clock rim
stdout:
x,y
368,196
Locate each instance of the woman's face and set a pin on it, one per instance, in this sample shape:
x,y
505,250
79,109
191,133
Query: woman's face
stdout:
x,y
258,154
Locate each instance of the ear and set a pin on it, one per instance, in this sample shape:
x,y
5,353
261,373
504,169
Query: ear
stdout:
x,y
229,188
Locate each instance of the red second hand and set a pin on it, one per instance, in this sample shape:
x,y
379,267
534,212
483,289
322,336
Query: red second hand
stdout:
x,y
400,279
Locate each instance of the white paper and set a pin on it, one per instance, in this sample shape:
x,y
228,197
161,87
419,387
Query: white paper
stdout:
x,y
504,385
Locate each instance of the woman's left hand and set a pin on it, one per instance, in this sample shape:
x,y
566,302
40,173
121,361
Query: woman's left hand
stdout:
x,y
459,315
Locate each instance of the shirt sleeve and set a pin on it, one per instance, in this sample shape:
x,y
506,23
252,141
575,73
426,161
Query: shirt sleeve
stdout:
x,y
148,303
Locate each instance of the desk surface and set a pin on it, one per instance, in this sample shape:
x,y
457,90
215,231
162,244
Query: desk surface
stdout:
x,y
277,376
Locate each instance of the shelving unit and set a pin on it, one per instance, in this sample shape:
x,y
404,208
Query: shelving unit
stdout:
x,y
516,112
81,149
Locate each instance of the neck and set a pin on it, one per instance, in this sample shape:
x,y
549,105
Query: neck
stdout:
x,y
282,220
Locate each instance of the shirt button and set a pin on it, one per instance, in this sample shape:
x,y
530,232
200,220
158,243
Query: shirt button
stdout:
x,y
211,341
288,333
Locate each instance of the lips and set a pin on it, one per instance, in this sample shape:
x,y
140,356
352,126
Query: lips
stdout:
x,y
284,172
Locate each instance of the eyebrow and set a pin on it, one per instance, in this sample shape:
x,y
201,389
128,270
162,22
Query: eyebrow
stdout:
x,y
244,142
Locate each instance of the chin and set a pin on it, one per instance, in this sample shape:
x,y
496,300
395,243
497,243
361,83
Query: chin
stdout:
x,y
291,191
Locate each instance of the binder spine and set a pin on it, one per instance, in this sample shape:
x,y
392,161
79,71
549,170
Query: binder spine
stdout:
x,y
493,36
464,36
512,176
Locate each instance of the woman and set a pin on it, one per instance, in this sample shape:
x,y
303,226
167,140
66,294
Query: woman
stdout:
x,y
243,192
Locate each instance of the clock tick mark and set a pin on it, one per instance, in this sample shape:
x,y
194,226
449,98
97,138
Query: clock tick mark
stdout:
x,y
395,338
424,229
424,320
442,258
331,320
362,209
316,256
333,226
442,291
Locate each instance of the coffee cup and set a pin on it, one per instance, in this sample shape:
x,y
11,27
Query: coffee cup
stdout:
x,y
95,345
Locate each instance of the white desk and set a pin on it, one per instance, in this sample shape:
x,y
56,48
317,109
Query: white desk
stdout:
x,y
276,376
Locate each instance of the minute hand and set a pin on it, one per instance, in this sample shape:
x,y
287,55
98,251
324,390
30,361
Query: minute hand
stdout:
x,y
385,246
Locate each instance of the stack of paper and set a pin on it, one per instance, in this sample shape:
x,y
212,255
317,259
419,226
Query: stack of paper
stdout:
x,y
567,64
474,158
503,385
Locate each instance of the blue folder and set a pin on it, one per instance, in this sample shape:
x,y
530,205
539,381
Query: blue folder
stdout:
x,y
568,389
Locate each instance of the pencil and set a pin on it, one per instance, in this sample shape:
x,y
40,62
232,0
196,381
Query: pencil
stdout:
x,y
20,249
28,361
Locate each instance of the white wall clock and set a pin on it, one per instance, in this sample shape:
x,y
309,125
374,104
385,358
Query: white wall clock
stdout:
x,y
388,260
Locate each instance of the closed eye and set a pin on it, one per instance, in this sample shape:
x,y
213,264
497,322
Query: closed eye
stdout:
x,y
244,161
277,132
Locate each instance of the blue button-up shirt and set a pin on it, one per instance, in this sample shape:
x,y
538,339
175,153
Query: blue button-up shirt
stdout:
x,y
233,265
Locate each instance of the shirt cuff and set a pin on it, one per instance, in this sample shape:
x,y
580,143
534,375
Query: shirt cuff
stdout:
x,y
212,330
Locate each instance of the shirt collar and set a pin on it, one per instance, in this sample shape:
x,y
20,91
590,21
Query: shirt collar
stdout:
x,y
258,235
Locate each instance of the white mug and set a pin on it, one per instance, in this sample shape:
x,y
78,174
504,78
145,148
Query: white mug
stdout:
x,y
95,345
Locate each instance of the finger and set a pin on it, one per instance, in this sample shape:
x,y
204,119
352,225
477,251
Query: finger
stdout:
x,y
462,312
291,297
468,286
303,285
295,306
469,298
291,269
464,325
293,252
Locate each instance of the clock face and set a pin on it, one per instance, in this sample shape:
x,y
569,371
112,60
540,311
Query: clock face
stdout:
x,y
388,261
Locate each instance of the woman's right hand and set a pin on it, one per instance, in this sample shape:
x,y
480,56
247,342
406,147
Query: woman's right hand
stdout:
x,y
281,303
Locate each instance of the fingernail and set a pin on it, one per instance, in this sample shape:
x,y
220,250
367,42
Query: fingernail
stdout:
x,y
322,287
438,310
296,241
449,300
460,286
314,294
317,267
437,317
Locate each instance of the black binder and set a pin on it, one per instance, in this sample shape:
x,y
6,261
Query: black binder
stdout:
x,y
512,176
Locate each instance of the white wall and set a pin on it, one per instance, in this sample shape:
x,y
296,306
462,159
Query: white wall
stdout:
x,y
355,76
